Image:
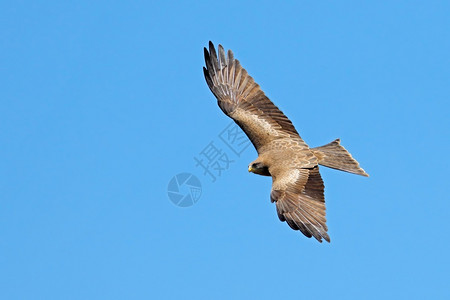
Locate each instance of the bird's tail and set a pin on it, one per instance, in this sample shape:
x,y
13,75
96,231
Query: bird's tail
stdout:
x,y
333,155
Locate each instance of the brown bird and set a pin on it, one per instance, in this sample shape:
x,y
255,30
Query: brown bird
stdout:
x,y
297,187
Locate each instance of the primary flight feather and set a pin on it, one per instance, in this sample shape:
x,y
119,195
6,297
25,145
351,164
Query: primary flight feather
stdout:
x,y
297,187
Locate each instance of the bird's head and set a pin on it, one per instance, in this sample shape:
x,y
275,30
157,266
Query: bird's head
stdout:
x,y
259,168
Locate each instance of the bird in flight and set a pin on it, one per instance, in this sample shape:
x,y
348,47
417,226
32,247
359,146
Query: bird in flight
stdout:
x,y
297,187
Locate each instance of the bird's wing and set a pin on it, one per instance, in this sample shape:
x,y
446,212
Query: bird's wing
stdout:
x,y
298,194
241,98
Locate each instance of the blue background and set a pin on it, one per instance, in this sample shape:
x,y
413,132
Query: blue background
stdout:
x,y
102,103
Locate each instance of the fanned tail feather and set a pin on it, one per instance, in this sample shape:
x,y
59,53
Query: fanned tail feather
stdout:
x,y
333,155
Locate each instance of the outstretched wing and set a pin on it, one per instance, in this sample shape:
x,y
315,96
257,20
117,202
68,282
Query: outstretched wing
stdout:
x,y
298,194
241,98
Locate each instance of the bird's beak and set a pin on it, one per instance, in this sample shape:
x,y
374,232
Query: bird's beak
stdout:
x,y
250,169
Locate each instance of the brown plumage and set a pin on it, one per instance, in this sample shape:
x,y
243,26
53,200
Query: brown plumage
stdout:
x,y
297,187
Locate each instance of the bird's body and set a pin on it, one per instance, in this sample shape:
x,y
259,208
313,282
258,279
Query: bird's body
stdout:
x,y
297,187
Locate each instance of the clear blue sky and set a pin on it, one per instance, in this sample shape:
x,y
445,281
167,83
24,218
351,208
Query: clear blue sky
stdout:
x,y
103,102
